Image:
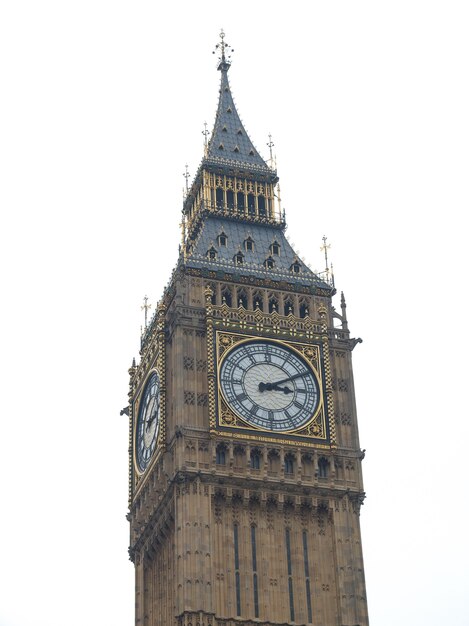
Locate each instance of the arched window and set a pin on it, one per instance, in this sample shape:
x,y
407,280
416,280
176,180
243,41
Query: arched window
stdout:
x,y
323,467
219,198
213,297
238,258
226,296
242,298
255,460
288,306
221,454
295,267
251,204
269,263
222,239
289,463
230,200
304,310
212,253
239,457
273,304
240,201
307,465
275,248
258,301
249,244
273,461
261,205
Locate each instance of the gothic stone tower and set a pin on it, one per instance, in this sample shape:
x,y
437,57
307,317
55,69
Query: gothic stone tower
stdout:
x,y
245,464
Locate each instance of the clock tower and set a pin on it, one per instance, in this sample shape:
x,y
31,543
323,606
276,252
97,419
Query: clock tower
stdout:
x,y
245,464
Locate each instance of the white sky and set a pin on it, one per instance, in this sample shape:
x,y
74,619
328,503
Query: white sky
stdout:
x,y
102,104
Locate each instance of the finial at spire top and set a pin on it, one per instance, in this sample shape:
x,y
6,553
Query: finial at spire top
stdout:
x,y
225,51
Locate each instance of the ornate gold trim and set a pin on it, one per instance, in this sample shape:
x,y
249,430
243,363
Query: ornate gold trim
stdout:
x,y
222,342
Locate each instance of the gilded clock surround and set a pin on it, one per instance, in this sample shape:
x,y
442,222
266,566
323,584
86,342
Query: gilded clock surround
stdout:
x,y
317,428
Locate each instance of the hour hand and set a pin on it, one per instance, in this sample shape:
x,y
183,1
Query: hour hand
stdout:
x,y
273,387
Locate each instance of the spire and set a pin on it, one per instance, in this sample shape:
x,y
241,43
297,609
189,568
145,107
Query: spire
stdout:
x,y
230,144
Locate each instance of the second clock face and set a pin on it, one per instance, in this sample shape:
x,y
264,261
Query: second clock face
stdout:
x,y
269,385
148,422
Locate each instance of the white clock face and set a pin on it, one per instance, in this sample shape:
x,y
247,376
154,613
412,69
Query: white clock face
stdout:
x,y
148,422
269,386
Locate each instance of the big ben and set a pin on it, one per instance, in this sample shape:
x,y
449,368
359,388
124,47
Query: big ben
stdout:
x,y
244,459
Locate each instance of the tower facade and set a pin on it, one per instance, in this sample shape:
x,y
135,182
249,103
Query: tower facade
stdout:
x,y
245,464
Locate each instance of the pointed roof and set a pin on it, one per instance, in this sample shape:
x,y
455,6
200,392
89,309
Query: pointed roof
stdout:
x,y
229,140
230,145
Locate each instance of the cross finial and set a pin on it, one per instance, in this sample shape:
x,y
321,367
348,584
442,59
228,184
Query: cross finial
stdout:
x,y
270,145
225,52
325,247
205,133
186,176
146,307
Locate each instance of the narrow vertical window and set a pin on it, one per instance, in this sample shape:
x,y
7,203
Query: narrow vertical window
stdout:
x,y
307,578
254,570
290,579
237,580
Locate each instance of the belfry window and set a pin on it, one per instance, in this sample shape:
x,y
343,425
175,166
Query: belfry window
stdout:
x,y
219,198
230,200
261,205
240,201
251,204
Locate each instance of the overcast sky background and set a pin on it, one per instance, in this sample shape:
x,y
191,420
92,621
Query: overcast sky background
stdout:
x,y
102,104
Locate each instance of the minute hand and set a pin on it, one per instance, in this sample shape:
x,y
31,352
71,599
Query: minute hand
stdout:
x,y
285,380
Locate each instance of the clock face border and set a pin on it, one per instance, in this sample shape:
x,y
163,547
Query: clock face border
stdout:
x,y
136,412
315,431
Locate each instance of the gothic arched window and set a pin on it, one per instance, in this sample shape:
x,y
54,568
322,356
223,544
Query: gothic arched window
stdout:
x,y
261,205
273,304
289,463
255,459
304,310
258,301
226,296
323,467
288,306
221,454
242,298
219,198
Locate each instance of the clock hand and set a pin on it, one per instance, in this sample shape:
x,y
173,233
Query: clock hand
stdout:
x,y
286,380
273,387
